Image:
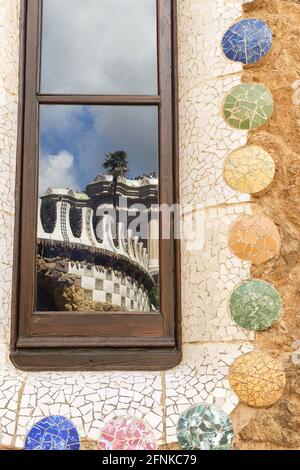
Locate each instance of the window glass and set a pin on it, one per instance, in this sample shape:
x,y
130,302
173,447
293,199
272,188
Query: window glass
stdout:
x,y
99,47
98,173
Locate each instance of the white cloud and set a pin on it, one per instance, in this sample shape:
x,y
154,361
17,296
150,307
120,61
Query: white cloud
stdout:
x,y
90,132
57,171
107,46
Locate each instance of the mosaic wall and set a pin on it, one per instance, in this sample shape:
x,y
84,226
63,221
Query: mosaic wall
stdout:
x,y
218,173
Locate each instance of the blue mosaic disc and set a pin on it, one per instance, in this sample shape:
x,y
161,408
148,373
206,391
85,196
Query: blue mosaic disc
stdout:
x,y
204,427
53,433
247,41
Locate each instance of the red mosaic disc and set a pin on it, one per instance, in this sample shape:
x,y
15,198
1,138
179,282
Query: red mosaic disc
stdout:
x,y
126,433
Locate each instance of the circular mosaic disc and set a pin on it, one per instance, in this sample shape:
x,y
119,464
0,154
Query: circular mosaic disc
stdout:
x,y
257,379
254,238
53,433
127,433
249,169
255,305
204,427
248,106
247,41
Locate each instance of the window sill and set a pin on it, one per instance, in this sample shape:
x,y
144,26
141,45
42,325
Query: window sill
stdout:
x,y
95,359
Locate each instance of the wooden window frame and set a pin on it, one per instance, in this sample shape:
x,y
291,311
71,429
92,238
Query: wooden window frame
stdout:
x,y
55,340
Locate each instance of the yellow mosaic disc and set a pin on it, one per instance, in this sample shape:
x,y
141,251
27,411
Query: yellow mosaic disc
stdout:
x,y
257,379
249,169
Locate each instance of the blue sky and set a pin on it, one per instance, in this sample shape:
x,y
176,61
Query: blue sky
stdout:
x,y
75,139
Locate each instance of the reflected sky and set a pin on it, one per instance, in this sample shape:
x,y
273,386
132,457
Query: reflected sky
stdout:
x,y
75,139
99,47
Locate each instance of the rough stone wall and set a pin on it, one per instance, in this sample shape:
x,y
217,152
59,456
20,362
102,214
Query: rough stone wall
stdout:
x,y
279,426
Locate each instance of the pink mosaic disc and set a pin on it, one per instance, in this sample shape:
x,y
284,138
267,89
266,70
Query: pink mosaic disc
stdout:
x,y
126,433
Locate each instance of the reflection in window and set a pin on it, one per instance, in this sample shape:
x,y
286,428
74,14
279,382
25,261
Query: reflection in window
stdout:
x,y
98,173
99,284
97,47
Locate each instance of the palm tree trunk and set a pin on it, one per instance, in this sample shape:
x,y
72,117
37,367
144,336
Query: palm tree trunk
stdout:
x,y
115,184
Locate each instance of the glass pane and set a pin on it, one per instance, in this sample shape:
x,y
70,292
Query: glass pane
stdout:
x,y
99,47
98,225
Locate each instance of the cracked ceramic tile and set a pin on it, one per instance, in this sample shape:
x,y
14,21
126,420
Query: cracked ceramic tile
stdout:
x,y
9,69
255,305
248,106
205,140
201,378
11,383
247,41
127,433
6,261
201,25
53,433
257,379
254,238
208,277
249,169
89,400
205,427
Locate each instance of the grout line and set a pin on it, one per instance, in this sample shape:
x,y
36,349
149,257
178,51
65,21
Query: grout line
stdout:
x,y
164,407
228,204
208,80
20,395
229,341
224,205
11,214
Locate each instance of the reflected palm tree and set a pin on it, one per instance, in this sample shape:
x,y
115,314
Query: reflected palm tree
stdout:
x,y
116,163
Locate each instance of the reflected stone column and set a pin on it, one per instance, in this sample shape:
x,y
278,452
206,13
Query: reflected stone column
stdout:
x,y
153,241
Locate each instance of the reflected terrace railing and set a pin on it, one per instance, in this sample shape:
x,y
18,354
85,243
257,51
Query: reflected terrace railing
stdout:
x,y
128,245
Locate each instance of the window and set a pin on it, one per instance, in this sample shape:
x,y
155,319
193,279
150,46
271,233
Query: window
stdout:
x,y
99,284
97,151
116,289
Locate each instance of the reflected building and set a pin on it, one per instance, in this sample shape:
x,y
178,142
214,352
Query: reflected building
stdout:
x,y
92,258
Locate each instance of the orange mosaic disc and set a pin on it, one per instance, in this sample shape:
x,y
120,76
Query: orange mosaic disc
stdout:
x,y
254,238
257,379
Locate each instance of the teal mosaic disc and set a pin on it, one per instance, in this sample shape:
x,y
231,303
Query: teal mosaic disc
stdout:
x,y
204,427
255,305
248,106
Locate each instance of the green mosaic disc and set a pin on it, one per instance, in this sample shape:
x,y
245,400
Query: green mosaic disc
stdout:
x,y
248,106
204,427
255,305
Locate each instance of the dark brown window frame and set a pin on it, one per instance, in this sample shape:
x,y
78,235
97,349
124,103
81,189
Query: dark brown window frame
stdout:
x,y
54,341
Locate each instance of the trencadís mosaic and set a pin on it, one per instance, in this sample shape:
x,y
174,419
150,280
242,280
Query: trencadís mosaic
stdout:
x,y
247,41
254,238
126,433
249,169
205,427
248,106
257,379
53,433
255,305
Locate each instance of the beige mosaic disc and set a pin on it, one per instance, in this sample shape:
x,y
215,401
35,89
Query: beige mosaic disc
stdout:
x,y
257,379
254,238
249,169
